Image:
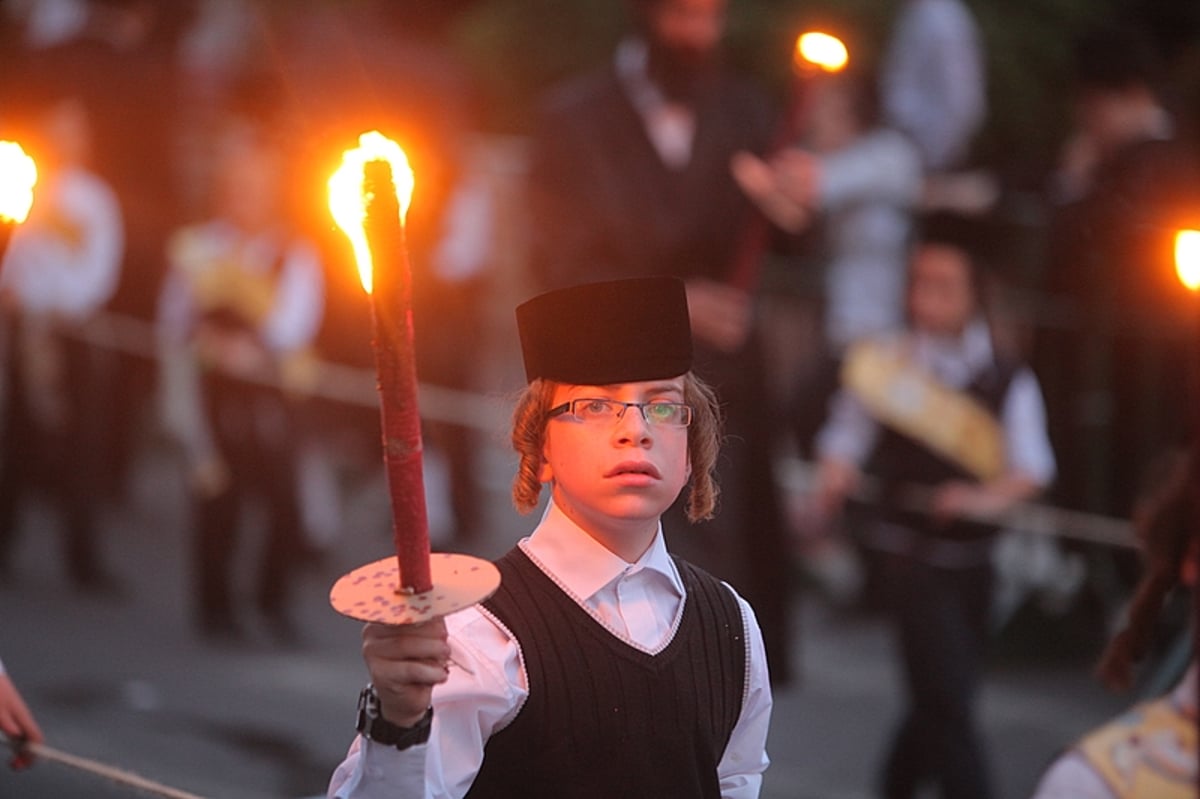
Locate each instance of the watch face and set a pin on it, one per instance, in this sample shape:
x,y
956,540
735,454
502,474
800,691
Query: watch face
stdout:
x,y
368,719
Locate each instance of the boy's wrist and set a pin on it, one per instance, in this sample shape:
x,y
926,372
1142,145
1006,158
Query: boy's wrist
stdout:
x,y
372,725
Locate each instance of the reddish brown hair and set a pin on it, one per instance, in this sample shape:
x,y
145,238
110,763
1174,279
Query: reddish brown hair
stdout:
x,y
1163,522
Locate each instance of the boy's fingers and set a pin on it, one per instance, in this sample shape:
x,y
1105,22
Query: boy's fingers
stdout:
x,y
436,628
405,674
406,647
412,646
21,758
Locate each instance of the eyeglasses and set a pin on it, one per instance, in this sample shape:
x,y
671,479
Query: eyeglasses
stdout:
x,y
595,409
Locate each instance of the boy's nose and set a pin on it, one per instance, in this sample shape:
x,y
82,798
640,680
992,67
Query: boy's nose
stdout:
x,y
632,425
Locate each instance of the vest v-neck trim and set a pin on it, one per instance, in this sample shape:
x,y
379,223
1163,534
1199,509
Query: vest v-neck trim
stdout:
x,y
599,628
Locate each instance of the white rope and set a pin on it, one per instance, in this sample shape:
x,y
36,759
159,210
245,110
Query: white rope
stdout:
x,y
336,382
96,768
1032,517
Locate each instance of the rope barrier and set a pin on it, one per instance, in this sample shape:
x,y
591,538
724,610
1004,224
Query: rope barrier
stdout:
x,y
1031,517
357,386
337,382
95,768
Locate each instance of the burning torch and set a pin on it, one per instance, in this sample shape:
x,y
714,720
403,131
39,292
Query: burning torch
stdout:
x,y
369,197
1187,269
815,54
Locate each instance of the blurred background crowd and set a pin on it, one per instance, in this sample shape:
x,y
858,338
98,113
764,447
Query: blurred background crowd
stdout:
x,y
179,293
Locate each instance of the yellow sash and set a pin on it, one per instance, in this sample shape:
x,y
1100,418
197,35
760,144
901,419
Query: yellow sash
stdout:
x,y
1147,753
901,395
218,279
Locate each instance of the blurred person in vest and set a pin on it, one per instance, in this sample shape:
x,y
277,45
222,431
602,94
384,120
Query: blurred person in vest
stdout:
x,y
953,427
240,306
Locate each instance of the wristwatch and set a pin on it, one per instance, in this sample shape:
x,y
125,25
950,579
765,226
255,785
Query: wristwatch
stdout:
x,y
373,726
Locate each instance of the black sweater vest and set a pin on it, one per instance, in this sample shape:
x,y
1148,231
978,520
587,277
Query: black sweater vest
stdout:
x,y
903,461
604,719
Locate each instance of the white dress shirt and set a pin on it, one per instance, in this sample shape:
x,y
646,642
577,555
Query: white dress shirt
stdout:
x,y
670,126
933,79
641,603
65,259
851,432
867,191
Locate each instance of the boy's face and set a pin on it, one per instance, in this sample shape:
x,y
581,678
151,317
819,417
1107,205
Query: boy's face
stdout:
x,y
692,28
941,298
68,127
249,176
683,38
611,472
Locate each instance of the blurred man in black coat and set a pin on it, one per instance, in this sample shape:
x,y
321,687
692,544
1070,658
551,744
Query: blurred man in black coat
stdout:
x,y
631,176
1117,365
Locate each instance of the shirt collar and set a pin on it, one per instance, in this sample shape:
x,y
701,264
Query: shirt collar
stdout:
x,y
630,62
582,565
1184,694
960,358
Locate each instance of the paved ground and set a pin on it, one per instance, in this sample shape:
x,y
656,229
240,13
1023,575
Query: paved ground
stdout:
x,y
126,682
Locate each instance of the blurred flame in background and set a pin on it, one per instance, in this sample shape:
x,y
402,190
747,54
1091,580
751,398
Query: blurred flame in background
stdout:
x,y
18,176
1187,258
821,50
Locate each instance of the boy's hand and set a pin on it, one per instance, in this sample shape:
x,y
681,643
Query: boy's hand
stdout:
x,y
16,721
836,480
209,477
784,189
957,499
722,315
405,662
953,500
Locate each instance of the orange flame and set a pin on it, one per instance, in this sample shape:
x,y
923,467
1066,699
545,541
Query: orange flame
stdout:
x,y
18,175
1187,258
347,202
821,50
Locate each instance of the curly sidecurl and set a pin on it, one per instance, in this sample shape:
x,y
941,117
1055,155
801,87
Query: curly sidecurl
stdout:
x,y
1163,522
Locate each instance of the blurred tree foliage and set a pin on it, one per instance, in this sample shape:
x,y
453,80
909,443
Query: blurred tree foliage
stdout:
x,y
517,48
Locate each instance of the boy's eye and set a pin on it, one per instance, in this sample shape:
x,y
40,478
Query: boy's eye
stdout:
x,y
660,412
593,407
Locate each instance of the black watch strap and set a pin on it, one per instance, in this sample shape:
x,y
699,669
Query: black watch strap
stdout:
x,y
372,725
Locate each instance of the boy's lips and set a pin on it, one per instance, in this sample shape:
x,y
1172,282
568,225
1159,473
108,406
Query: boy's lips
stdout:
x,y
635,468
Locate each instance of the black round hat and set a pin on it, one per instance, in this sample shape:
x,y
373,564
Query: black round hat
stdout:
x,y
617,331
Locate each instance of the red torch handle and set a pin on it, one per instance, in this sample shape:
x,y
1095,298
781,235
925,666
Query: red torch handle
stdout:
x,y
755,234
6,230
391,307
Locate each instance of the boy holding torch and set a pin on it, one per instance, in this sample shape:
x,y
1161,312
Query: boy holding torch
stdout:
x,y
602,666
